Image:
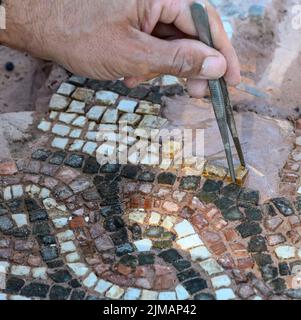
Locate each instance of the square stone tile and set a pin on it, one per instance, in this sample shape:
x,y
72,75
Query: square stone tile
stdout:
x,y
83,94
211,267
77,107
110,116
106,98
189,242
53,115
44,126
184,229
169,222
153,122
59,103
77,145
115,292
60,143
199,253
96,112
154,219
90,148
221,281
126,105
75,133
132,294
80,122
182,293
225,294
61,130
66,89
149,295
143,245
146,107
131,119
102,286
67,117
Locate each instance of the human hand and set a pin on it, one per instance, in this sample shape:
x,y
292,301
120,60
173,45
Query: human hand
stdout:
x,y
134,39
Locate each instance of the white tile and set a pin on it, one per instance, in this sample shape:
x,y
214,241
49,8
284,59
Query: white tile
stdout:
x,y
61,130
2,281
80,121
20,219
60,223
167,295
126,105
184,229
77,107
168,222
149,295
60,143
3,296
221,281
102,286
67,117
285,252
17,191
77,145
80,269
7,193
66,89
182,293
72,257
199,253
95,113
39,273
75,133
154,219
132,294
107,98
110,116
59,102
44,126
137,216
68,246
211,267
189,242
225,294
115,292
131,119
20,270
65,236
143,245
90,148
90,281
53,115
4,266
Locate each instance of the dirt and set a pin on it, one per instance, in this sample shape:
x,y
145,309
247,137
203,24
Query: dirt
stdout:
x,y
270,54
29,86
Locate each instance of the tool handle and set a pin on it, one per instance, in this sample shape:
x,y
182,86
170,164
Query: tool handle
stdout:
x,y
201,21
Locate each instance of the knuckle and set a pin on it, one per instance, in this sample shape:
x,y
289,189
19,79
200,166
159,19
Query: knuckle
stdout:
x,y
183,62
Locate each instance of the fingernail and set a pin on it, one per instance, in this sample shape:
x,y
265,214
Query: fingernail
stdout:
x,y
212,68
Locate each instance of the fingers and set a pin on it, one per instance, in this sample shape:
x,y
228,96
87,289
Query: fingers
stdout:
x,y
178,13
184,58
197,88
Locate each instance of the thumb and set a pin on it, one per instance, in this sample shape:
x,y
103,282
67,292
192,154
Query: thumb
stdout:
x,y
185,58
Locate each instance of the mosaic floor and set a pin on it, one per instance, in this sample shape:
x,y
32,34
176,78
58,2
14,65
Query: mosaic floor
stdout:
x,y
71,228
